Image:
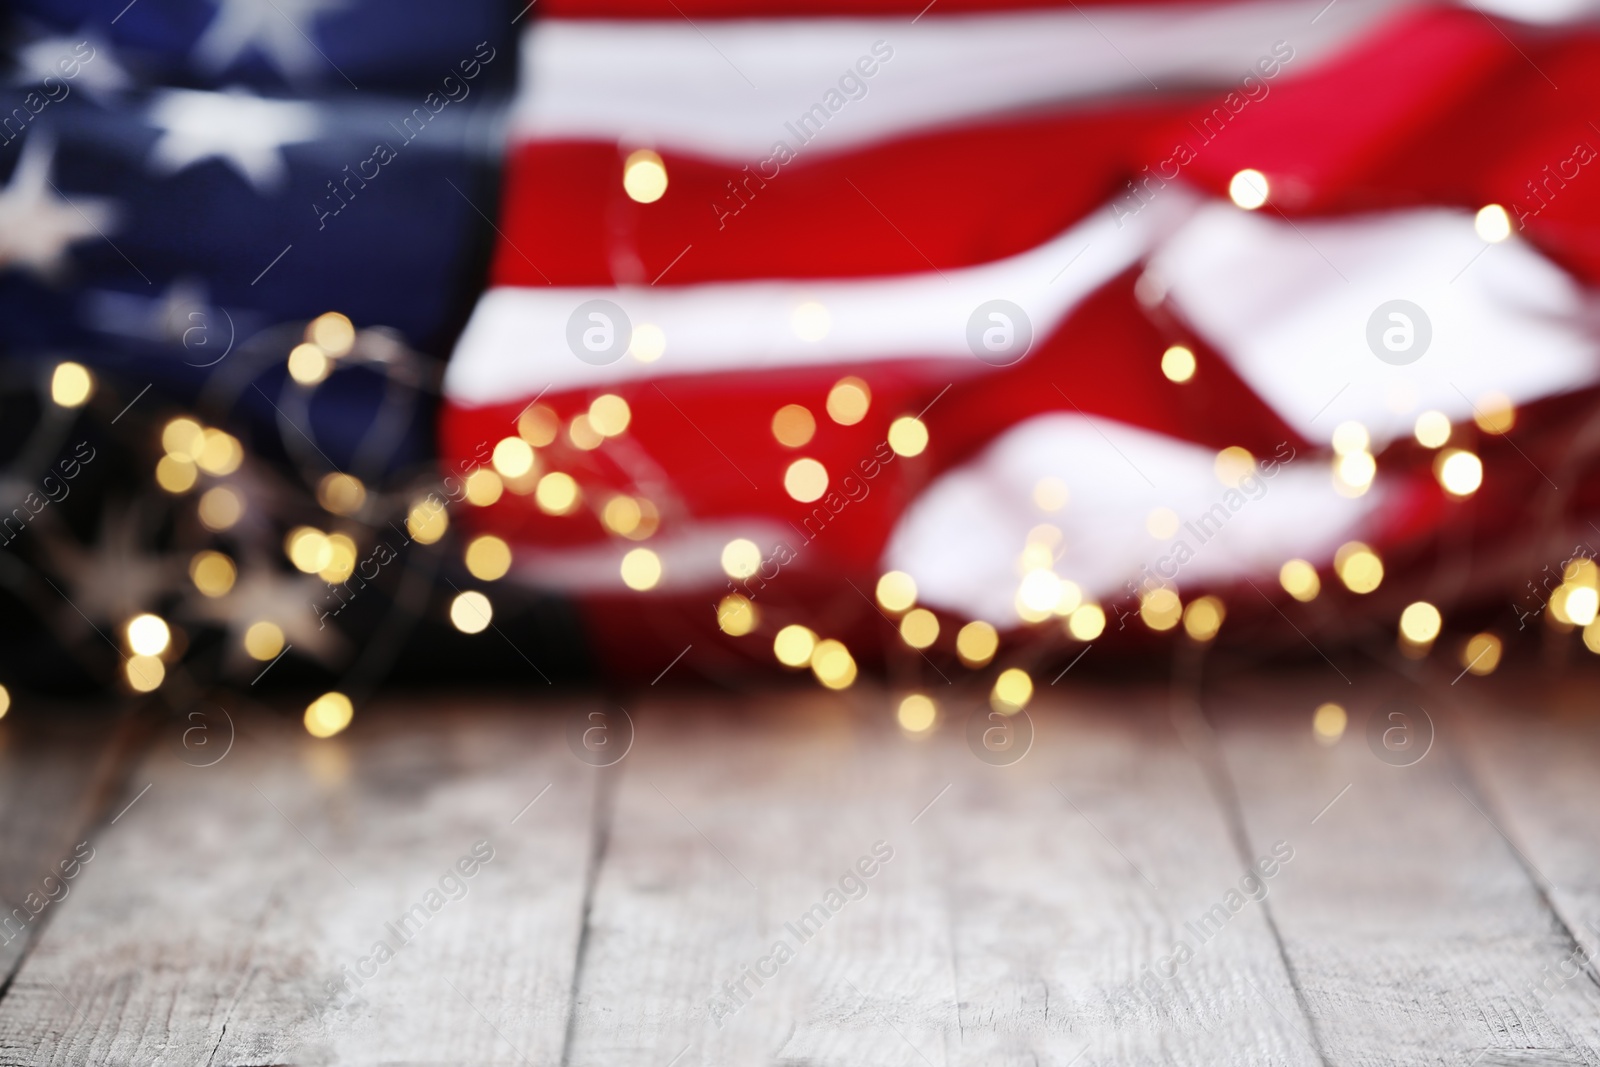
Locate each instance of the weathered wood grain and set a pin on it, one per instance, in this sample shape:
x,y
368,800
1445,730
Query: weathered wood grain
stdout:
x,y
217,910
1012,925
1413,931
57,766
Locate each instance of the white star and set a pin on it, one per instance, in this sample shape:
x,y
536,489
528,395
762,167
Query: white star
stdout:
x,y
279,30
246,132
37,224
119,576
98,74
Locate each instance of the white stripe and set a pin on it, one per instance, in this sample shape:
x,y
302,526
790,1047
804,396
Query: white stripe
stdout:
x,y
1270,296
726,88
516,342
962,537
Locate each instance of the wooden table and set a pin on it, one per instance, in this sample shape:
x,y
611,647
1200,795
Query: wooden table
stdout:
x,y
1439,913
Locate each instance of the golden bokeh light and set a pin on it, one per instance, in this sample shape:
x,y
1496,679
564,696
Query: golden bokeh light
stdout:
x,y
488,558
1328,723
641,569
333,333
557,493
184,438
220,508
919,628
1432,429
426,521
144,673
512,457
1492,223
1248,189
916,713
176,474
582,434
1353,473
1581,603
484,487
976,643
1350,437
538,425
71,385
1420,622
741,558
1233,464
1481,654
793,426
1162,524
621,515
309,364
610,415
1358,567
1494,413
897,591
1178,363
328,714
341,494
908,436
342,560
1202,618
220,453
1011,692
308,549
805,480
848,401
212,573
471,612
1038,595
148,635
1160,608
736,615
1458,471
5,701
1086,622
1299,579
644,176
793,645
263,640
833,665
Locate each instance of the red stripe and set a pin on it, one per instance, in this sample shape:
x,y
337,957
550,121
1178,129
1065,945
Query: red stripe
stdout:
x,y
941,200
1440,107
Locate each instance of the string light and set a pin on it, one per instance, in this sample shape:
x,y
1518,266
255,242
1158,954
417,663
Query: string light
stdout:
x,y
897,591
557,493
333,333
144,673
471,612
1162,524
71,385
1420,623
793,645
1481,653
1160,608
148,635
5,701
426,521
538,425
740,558
329,714
308,549
1178,363
1012,691
916,713
341,494
1358,567
621,515
736,615
1202,618
1494,413
805,480
212,573
648,344
1458,471
1086,623
342,559
488,558
484,487
793,426
512,457
1432,429
644,176
908,436
1248,189
309,364
1233,464
641,569
919,628
848,401
1328,723
582,434
176,474
1299,579
263,640
833,665
609,414
976,643
1492,223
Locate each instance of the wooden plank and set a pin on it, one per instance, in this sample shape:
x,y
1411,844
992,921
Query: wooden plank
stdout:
x,y
1534,749
1013,924
220,907
58,764
1413,931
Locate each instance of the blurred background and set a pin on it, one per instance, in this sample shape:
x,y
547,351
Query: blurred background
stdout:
x,y
614,342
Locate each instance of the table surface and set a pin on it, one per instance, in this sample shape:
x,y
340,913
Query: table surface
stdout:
x,y
786,877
